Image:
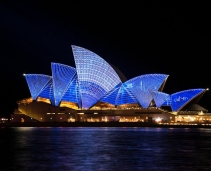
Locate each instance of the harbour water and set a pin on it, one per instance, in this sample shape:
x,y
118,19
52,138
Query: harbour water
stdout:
x,y
105,149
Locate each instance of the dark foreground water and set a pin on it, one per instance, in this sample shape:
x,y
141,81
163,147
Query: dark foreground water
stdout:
x,y
102,149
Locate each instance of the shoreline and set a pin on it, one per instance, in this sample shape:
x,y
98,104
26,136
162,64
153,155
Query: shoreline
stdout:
x,y
103,124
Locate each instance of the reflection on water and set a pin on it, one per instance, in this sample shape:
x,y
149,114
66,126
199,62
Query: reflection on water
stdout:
x,y
102,149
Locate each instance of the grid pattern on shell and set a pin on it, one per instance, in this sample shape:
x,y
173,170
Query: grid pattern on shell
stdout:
x,y
112,95
36,82
91,90
72,93
62,76
180,99
88,101
92,70
91,67
141,87
159,97
144,98
47,92
125,97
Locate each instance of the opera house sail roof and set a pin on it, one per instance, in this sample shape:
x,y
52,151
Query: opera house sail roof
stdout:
x,y
94,80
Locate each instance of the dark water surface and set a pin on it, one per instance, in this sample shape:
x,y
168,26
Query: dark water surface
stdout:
x,y
102,149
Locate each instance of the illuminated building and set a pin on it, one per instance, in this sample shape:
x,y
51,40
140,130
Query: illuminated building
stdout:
x,y
94,91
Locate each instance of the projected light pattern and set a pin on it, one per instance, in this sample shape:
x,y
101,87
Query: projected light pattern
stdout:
x,y
119,95
95,80
181,98
125,97
159,97
141,87
36,82
90,93
112,95
47,92
62,76
72,93
167,101
95,76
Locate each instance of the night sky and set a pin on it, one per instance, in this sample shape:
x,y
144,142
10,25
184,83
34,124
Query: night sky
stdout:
x,y
137,37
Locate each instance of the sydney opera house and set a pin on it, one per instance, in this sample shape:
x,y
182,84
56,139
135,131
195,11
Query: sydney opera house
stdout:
x,y
96,91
